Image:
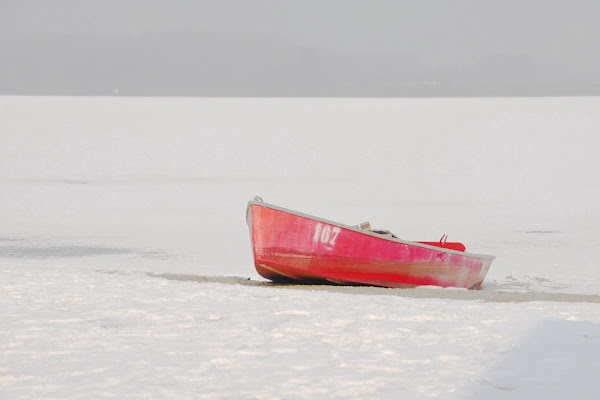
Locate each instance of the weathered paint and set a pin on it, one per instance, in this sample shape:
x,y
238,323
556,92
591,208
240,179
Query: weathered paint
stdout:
x,y
291,245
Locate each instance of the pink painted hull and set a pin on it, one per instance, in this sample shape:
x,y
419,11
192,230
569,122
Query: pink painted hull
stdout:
x,y
288,245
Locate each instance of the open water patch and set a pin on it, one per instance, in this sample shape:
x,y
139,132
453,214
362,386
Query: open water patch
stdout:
x,y
68,251
8,239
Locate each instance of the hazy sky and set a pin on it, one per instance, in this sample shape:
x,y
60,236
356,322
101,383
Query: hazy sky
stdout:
x,y
300,48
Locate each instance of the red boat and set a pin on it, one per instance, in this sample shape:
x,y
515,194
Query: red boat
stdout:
x,y
292,246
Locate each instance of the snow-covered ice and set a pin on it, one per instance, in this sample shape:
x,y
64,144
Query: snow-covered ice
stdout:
x,y
122,231
68,333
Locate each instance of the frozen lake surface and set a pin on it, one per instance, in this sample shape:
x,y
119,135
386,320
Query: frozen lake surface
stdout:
x,y
125,258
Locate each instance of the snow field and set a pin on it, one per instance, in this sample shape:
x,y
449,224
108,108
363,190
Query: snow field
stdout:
x,y
70,333
96,193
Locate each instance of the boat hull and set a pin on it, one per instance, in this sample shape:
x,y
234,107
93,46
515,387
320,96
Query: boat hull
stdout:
x,y
292,246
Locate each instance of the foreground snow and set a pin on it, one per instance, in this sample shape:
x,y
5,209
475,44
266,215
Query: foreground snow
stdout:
x,y
70,333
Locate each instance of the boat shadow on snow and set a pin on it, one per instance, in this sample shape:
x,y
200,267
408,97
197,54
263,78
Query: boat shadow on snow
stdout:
x,y
420,292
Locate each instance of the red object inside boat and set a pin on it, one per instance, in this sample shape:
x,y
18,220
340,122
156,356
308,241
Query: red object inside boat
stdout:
x,y
448,245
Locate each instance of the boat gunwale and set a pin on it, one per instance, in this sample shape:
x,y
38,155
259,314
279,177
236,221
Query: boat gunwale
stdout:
x,y
364,231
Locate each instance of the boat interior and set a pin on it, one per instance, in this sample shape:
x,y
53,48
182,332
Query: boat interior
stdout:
x,y
441,243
